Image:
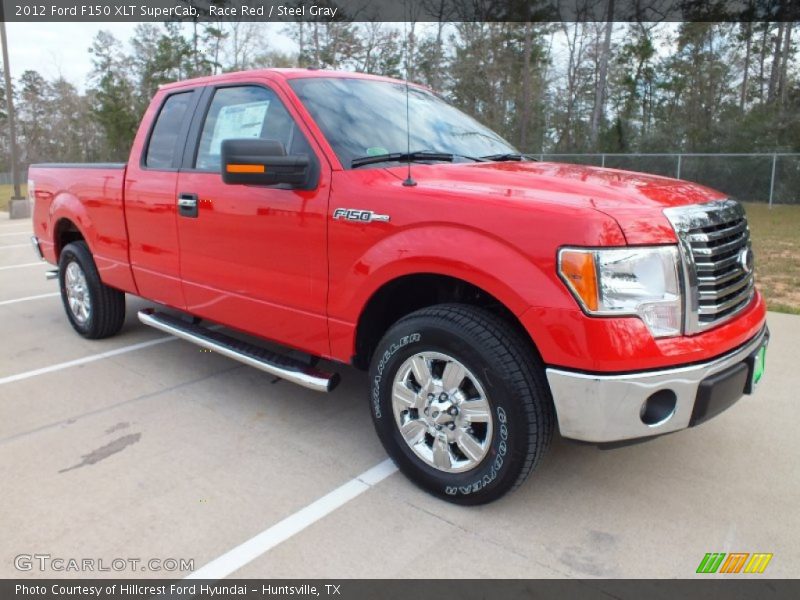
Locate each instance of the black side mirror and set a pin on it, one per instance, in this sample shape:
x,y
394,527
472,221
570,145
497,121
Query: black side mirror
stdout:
x,y
255,161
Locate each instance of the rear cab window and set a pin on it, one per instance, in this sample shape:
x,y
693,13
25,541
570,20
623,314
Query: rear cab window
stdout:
x,y
166,139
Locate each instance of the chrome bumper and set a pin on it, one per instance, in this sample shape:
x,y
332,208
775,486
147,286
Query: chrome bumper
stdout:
x,y
608,408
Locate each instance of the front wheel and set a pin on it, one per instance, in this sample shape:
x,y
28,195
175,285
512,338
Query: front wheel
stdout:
x,y
460,402
94,310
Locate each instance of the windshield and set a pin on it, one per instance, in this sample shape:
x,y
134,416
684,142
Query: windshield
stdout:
x,y
367,118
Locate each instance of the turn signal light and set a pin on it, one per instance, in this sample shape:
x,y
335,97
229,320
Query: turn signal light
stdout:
x,y
244,168
577,267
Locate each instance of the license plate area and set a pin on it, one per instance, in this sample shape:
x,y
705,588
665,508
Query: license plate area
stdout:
x,y
756,363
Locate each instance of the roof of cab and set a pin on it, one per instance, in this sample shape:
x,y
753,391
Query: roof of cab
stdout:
x,y
274,74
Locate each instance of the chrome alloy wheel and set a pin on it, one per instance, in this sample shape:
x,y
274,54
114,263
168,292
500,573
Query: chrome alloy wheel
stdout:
x,y
442,412
80,304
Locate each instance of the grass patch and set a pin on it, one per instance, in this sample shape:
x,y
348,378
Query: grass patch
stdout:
x,y
775,233
6,191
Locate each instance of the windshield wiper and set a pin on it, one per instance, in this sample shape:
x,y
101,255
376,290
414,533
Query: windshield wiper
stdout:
x,y
400,157
506,156
409,156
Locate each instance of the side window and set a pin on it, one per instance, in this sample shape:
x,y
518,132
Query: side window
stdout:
x,y
162,147
246,112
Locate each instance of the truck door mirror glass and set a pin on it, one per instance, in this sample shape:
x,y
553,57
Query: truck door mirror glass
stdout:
x,y
255,161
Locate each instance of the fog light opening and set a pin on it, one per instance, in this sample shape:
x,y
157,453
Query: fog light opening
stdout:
x,y
658,408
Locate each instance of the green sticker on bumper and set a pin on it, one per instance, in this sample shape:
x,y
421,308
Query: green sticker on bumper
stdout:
x,y
760,364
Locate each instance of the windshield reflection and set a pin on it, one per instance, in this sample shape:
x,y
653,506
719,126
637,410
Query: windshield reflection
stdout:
x,y
366,117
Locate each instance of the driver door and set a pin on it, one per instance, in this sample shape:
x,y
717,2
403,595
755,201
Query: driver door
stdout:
x,y
253,257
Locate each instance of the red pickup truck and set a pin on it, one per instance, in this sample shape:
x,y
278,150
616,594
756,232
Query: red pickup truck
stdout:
x,y
489,296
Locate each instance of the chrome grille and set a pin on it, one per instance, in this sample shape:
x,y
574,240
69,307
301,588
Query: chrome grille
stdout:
x,y
718,266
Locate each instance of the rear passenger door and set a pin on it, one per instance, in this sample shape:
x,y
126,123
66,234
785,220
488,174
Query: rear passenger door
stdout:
x,y
253,257
150,210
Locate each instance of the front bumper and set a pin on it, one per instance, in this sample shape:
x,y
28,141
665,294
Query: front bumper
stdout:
x,y
608,408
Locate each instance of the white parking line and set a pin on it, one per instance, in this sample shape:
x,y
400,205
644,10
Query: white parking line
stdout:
x,y
84,360
41,262
15,246
235,559
27,298
15,233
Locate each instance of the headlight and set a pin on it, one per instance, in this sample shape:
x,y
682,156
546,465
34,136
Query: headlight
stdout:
x,y
627,281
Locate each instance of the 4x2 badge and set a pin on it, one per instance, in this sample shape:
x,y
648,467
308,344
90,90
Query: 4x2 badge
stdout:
x,y
360,216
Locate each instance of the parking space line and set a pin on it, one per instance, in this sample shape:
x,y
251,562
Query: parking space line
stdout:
x,y
15,246
84,360
28,298
41,262
235,559
15,233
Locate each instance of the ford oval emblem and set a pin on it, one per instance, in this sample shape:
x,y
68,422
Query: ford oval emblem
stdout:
x,y
746,260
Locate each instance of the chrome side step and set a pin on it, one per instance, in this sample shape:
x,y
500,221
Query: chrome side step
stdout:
x,y
271,362
52,274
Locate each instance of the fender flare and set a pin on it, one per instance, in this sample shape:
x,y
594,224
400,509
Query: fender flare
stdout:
x,y
67,207
487,262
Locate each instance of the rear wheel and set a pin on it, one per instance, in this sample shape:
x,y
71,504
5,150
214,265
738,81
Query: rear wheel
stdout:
x,y
94,309
460,402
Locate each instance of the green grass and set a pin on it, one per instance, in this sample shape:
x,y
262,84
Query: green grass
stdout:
x,y
5,194
776,242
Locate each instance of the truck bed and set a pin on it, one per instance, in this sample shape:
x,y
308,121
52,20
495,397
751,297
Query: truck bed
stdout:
x,y
90,195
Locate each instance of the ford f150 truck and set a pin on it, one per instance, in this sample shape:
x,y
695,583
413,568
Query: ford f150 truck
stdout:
x,y
491,297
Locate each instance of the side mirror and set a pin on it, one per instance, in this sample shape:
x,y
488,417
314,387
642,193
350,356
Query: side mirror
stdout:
x,y
255,161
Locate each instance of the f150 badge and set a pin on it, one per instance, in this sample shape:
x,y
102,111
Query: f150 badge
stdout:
x,y
359,216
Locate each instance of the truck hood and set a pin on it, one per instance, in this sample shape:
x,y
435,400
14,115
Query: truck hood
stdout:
x,y
635,200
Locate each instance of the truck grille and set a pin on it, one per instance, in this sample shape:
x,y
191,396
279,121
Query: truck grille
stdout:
x,y
715,243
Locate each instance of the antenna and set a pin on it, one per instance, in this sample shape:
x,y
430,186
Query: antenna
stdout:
x,y
409,182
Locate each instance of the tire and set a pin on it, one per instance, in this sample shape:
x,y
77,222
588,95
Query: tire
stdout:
x,y
481,436
95,310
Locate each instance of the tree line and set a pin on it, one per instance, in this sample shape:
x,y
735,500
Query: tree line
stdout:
x,y
547,87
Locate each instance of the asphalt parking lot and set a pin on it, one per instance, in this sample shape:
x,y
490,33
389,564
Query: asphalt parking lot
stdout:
x,y
142,446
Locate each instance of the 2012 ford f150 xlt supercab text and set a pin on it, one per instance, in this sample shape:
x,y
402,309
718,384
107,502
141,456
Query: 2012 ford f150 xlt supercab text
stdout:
x,y
490,296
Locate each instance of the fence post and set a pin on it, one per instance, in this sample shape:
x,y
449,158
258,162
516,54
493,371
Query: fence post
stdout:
x,y
678,175
772,179
603,160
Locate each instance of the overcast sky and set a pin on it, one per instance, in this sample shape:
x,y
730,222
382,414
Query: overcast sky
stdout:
x,y
55,49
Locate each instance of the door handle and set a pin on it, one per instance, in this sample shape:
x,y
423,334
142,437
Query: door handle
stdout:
x,y
187,205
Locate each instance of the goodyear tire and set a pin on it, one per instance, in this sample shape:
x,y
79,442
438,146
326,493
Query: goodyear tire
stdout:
x,y
95,310
460,402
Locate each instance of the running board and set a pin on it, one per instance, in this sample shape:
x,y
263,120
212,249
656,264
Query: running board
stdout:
x,y
52,274
271,362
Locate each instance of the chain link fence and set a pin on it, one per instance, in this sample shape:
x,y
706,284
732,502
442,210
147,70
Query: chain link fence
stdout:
x,y
772,178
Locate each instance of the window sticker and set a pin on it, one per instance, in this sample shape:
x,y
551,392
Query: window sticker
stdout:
x,y
238,121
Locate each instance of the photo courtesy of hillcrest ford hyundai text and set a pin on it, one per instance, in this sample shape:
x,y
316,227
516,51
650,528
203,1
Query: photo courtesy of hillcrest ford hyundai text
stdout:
x,y
491,298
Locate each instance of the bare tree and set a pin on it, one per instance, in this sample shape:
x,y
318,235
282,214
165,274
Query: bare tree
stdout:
x,y
602,76
775,70
782,79
526,87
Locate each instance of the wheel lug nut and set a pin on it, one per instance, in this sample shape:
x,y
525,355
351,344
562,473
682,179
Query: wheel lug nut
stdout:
x,y
426,411
435,414
452,411
430,397
452,426
442,397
